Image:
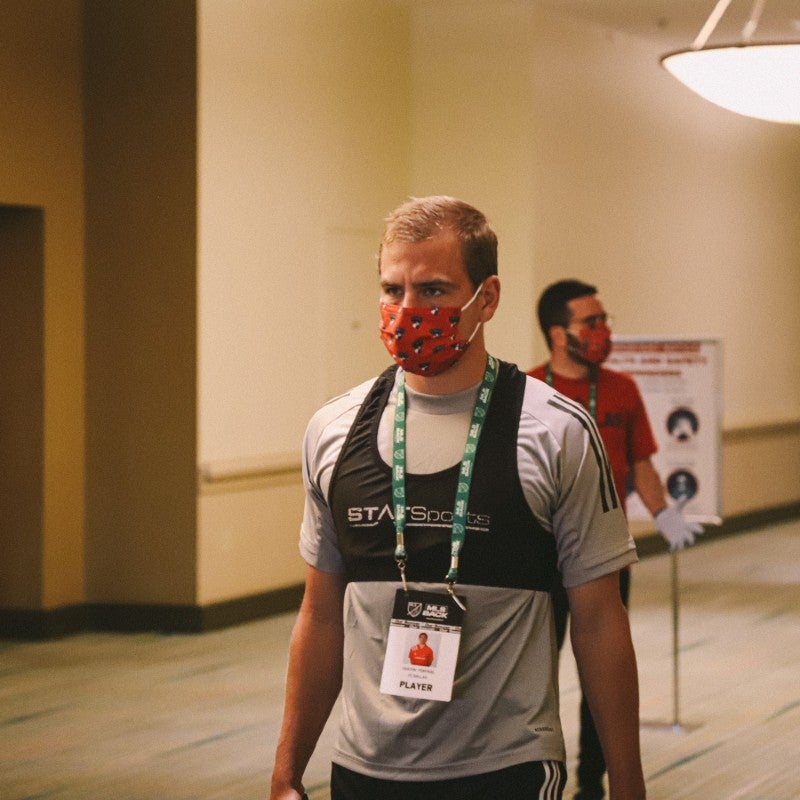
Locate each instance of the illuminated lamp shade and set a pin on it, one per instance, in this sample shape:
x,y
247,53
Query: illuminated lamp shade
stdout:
x,y
757,80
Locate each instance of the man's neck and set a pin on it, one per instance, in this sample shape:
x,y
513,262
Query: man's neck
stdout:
x,y
567,367
466,372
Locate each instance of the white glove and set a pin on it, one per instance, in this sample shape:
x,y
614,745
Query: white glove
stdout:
x,y
675,528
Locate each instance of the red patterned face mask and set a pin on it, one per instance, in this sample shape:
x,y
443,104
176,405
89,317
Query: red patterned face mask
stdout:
x,y
424,340
592,345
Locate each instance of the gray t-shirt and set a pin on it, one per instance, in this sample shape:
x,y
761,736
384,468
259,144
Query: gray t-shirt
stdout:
x,y
504,709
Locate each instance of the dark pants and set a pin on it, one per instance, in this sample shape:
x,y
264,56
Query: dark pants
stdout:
x,y
520,782
591,764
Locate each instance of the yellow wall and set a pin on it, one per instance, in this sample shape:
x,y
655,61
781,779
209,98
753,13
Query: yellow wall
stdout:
x,y
42,167
304,126
248,530
682,213
140,96
589,160
228,163
761,465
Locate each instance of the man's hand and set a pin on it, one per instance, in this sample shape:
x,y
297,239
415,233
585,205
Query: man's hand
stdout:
x,y
286,793
675,528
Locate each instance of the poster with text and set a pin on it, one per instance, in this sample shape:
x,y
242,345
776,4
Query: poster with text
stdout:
x,y
680,381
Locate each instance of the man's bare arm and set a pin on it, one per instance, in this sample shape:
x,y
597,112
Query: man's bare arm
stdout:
x,y
313,681
648,485
601,641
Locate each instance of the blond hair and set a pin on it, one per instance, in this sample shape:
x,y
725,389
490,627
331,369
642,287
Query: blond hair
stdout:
x,y
422,218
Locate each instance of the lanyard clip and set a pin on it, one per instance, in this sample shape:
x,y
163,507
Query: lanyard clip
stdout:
x,y
451,590
401,565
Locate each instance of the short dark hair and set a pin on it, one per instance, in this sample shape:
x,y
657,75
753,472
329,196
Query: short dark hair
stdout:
x,y
552,308
422,218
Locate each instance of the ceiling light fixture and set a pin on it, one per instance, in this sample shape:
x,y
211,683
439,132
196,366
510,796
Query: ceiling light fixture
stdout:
x,y
758,80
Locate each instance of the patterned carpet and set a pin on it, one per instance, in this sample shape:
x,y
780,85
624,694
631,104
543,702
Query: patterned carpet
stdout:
x,y
145,716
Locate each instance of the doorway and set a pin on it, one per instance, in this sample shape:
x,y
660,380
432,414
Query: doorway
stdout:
x,y
21,405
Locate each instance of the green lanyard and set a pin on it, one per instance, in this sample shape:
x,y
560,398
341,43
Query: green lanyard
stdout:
x,y
548,374
464,478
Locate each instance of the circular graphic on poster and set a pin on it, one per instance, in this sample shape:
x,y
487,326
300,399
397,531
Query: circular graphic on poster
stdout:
x,y
681,485
682,424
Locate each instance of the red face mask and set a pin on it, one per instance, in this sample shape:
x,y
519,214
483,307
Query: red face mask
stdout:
x,y
592,345
424,341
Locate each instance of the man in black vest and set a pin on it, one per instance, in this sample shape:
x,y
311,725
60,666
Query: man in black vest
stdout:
x,y
445,496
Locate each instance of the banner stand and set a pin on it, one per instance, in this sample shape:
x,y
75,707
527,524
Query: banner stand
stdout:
x,y
680,380
675,725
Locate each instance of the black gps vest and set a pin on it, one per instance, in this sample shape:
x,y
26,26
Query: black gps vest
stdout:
x,y
505,546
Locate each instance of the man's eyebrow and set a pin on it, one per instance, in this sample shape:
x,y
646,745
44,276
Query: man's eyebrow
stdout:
x,y
435,283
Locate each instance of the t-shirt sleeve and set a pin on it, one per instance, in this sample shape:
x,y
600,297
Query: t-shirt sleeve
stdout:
x,y
322,443
568,484
317,547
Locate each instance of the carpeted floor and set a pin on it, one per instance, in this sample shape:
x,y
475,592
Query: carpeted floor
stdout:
x,y
146,716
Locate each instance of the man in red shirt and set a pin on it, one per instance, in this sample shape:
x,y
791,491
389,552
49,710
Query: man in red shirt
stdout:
x,y
576,328
420,655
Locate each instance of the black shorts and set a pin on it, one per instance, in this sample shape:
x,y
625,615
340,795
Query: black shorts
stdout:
x,y
534,780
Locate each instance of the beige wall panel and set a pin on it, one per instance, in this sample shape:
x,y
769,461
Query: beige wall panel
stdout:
x,y
248,537
303,148
761,468
303,131
587,158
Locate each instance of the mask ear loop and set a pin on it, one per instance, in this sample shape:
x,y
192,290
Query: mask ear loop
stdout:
x,y
466,306
472,335
472,299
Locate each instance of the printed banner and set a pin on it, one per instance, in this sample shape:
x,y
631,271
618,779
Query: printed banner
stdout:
x,y
681,384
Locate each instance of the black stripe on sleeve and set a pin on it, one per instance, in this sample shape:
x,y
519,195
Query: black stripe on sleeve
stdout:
x,y
608,493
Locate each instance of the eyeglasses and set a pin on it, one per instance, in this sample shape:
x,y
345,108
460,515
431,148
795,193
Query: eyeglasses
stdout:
x,y
594,321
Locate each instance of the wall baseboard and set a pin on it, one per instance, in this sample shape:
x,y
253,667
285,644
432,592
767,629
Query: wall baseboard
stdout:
x,y
34,625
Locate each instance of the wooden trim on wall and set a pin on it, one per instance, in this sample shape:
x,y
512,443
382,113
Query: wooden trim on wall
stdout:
x,y
223,472
653,544
36,625
762,430
270,466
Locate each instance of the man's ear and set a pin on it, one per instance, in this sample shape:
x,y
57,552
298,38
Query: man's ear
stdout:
x,y
489,297
558,337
